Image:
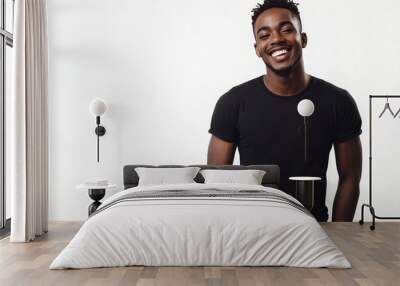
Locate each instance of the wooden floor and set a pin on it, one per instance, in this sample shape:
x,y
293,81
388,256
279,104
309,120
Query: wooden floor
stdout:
x,y
375,256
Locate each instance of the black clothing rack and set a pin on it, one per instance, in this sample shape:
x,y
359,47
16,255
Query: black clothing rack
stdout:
x,y
371,208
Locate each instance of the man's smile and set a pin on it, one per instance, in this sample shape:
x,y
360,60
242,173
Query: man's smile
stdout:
x,y
280,54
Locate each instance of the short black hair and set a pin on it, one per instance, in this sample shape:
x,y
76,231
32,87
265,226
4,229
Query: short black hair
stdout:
x,y
268,4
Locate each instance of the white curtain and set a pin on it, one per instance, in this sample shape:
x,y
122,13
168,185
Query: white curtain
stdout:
x,y
28,122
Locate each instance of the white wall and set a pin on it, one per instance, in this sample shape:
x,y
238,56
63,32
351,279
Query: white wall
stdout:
x,y
162,65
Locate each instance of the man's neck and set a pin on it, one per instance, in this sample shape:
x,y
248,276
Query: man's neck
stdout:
x,y
289,85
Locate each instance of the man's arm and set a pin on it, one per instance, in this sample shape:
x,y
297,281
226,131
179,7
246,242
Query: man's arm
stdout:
x,y
220,152
349,165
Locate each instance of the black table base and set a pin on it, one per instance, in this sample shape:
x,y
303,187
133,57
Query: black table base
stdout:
x,y
304,192
96,195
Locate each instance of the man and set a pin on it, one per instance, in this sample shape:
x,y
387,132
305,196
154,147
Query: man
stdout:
x,y
260,116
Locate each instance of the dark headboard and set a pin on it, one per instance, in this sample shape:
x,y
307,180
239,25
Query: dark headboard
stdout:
x,y
271,177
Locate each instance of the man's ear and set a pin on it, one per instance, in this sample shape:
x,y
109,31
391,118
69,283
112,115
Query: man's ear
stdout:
x,y
257,52
303,40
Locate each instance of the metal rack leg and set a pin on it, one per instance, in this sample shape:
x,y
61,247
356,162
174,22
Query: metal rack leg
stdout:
x,y
361,221
372,211
374,216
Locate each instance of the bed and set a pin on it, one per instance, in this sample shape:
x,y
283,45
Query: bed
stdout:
x,y
201,224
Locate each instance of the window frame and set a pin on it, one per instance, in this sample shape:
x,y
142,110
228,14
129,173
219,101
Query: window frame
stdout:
x,y
6,39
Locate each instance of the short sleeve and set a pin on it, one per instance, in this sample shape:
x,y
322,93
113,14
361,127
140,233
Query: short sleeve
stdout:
x,y
225,117
348,119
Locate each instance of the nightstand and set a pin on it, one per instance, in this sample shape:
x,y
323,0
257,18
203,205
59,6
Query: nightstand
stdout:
x,y
96,193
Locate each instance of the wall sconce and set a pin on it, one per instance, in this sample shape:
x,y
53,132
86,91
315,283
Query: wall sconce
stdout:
x,y
305,108
97,107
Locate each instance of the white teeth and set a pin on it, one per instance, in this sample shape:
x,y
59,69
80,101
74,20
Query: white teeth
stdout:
x,y
278,53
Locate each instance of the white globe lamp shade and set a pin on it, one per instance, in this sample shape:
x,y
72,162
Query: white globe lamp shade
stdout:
x,y
305,107
97,107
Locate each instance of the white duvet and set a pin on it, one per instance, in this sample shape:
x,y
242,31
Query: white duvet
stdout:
x,y
199,231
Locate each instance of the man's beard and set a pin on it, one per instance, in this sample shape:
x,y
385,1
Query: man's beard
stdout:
x,y
285,72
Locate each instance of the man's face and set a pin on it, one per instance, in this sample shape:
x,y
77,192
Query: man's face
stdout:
x,y
279,41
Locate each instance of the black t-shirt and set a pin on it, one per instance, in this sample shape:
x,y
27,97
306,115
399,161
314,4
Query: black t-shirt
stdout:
x,y
268,129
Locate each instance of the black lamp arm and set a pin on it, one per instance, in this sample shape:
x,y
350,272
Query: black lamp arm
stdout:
x,y
305,139
100,131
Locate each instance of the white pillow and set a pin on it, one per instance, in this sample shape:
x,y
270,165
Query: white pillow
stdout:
x,y
164,176
249,177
